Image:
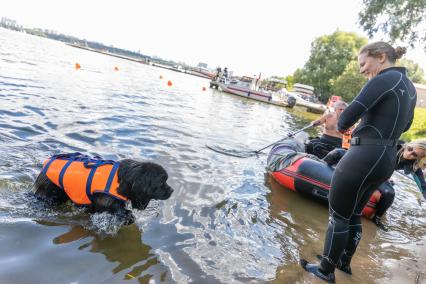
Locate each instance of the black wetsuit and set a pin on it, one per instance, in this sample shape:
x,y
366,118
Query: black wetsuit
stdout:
x,y
386,108
320,147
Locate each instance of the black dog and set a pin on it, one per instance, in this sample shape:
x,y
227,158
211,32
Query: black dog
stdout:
x,y
138,182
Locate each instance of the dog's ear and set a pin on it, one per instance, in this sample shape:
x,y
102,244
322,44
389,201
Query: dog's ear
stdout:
x,y
156,179
140,201
143,181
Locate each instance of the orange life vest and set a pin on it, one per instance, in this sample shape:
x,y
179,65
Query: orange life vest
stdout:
x,y
346,140
80,176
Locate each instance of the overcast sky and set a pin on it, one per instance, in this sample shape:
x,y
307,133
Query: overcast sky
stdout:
x,y
272,37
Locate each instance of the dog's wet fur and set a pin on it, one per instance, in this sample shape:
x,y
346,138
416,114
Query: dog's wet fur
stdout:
x,y
138,181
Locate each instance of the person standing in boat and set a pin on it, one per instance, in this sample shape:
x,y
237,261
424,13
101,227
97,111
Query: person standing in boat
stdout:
x,y
385,106
225,73
218,74
330,138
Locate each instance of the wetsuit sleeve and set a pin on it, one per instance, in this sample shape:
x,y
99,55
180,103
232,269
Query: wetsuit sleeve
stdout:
x,y
369,96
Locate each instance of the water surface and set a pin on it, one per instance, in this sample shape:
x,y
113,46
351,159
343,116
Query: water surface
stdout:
x,y
225,222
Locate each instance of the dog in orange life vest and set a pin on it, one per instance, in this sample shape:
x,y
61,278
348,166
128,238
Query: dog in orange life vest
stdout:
x,y
102,185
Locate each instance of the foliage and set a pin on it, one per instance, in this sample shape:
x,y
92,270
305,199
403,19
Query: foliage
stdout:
x,y
415,72
399,19
82,42
329,56
349,83
36,32
290,82
418,128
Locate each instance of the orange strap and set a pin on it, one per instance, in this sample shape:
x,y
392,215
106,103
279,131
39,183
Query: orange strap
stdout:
x,y
346,140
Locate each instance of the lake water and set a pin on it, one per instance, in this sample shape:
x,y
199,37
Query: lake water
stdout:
x,y
225,222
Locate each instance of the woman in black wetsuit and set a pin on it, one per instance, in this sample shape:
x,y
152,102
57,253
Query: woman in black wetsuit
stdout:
x,y
385,106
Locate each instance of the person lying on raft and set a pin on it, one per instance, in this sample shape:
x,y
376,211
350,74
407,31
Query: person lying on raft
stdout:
x,y
330,138
411,157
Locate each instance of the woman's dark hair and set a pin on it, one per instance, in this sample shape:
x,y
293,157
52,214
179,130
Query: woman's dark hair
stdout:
x,y
380,47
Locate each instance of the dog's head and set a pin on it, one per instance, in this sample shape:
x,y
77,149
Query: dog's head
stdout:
x,y
143,181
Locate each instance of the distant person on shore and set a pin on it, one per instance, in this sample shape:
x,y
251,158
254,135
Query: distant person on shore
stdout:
x,y
385,106
218,74
225,73
330,138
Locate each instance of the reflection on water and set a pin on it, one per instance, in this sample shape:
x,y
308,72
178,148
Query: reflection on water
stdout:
x,y
225,222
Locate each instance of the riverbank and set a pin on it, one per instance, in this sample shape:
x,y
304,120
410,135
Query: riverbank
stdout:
x,y
418,128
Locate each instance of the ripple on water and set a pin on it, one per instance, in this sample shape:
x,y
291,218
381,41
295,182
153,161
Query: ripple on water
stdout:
x,y
37,110
223,223
12,113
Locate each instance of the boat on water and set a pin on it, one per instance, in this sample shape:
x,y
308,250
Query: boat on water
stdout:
x,y
201,72
306,97
247,87
314,107
295,170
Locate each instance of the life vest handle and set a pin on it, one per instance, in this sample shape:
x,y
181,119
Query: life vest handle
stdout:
x,y
93,163
75,155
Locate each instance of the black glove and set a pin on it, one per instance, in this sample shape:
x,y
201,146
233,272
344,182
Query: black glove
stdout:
x,y
334,156
424,194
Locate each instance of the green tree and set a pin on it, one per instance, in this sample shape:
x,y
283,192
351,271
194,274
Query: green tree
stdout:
x,y
399,19
298,76
415,72
349,83
329,56
290,81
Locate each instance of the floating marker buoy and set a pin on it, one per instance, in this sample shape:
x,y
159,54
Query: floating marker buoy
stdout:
x,y
131,276
115,68
161,77
77,66
204,88
169,83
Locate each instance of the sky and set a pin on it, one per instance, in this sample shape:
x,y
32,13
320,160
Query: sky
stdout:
x,y
272,37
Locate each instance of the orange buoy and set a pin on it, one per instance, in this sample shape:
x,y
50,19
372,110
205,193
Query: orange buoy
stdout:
x,y
77,66
169,83
161,77
204,88
115,68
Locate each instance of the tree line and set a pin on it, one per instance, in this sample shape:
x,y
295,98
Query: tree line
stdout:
x,y
332,67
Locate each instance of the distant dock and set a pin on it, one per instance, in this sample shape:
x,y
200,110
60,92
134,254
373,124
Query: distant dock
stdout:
x,y
191,71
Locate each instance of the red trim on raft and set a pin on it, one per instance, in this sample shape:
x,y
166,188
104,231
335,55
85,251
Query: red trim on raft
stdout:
x,y
287,177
